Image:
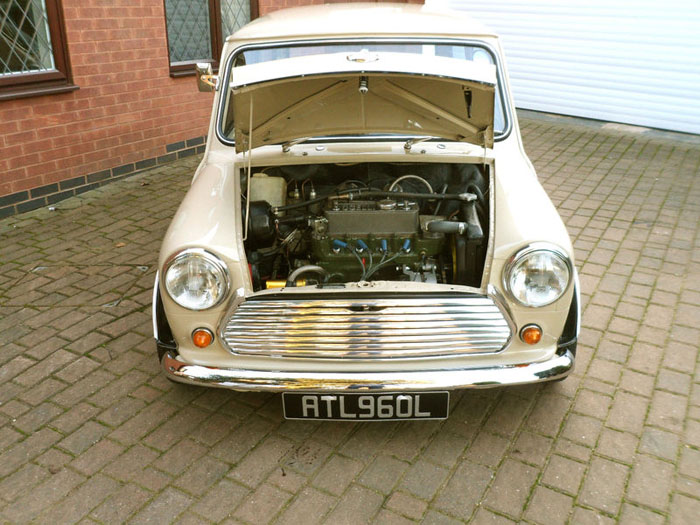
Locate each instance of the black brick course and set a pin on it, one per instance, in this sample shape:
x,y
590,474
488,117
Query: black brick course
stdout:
x,y
44,190
23,201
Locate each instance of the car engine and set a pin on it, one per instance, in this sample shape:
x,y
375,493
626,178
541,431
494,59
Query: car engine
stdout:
x,y
332,224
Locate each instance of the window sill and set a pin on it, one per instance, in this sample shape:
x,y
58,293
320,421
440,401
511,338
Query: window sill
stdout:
x,y
15,92
183,73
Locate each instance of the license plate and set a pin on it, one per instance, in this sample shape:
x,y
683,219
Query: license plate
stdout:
x,y
366,407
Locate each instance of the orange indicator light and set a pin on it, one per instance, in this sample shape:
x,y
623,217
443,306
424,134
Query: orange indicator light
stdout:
x,y
531,334
202,337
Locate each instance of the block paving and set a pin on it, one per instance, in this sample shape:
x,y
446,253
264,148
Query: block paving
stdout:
x,y
91,432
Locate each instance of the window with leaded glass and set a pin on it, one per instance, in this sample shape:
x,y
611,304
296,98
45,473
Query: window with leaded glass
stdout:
x,y
33,53
197,29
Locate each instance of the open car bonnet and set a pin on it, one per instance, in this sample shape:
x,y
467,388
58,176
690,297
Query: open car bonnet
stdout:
x,y
362,93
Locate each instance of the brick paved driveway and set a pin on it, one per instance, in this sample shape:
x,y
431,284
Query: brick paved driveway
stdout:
x,y
91,431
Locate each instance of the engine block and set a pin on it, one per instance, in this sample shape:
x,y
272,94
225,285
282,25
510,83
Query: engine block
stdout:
x,y
360,218
381,223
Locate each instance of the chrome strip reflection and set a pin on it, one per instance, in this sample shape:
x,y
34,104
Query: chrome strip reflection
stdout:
x,y
153,308
558,367
577,289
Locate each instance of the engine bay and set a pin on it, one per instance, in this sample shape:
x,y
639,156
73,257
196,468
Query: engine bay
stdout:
x,y
329,224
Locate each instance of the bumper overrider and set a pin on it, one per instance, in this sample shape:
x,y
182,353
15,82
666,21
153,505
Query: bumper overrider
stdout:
x,y
555,368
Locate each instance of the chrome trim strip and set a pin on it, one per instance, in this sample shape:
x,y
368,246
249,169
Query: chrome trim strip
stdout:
x,y
500,301
577,290
557,367
364,327
153,308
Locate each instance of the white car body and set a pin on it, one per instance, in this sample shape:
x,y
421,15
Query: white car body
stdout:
x,y
314,109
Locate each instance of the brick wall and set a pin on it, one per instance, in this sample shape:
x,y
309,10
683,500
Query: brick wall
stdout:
x,y
128,114
127,108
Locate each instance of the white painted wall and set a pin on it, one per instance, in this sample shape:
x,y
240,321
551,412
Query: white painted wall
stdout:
x,y
631,61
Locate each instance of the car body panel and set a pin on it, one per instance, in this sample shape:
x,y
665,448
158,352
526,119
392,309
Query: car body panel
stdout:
x,y
209,216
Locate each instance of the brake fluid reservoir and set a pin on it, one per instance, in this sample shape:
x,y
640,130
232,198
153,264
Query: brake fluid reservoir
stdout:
x,y
270,189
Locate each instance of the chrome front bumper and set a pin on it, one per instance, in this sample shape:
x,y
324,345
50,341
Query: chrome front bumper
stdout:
x,y
276,381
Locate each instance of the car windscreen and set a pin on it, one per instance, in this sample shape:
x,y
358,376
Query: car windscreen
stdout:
x,y
472,52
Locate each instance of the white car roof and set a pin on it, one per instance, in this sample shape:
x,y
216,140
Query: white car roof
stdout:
x,y
361,19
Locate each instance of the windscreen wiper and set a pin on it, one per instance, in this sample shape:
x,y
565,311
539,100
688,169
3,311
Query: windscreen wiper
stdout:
x,y
286,146
416,140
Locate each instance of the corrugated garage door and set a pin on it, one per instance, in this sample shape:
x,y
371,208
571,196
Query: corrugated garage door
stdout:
x,y
635,61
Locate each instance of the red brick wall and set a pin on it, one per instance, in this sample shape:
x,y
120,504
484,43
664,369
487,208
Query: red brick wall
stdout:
x,y
127,108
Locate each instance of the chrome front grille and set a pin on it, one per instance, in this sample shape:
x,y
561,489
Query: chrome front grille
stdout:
x,y
360,328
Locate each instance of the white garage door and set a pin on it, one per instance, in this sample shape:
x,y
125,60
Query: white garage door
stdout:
x,y
632,61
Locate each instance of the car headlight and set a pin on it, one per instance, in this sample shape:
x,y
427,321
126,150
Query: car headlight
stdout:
x,y
537,275
196,279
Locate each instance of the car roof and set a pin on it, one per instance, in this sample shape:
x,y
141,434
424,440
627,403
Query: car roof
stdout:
x,y
360,19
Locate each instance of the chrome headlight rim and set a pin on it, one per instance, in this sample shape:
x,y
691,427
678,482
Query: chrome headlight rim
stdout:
x,y
211,258
528,250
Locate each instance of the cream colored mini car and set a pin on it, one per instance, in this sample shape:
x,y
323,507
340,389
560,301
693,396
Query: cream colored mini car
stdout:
x,y
365,232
